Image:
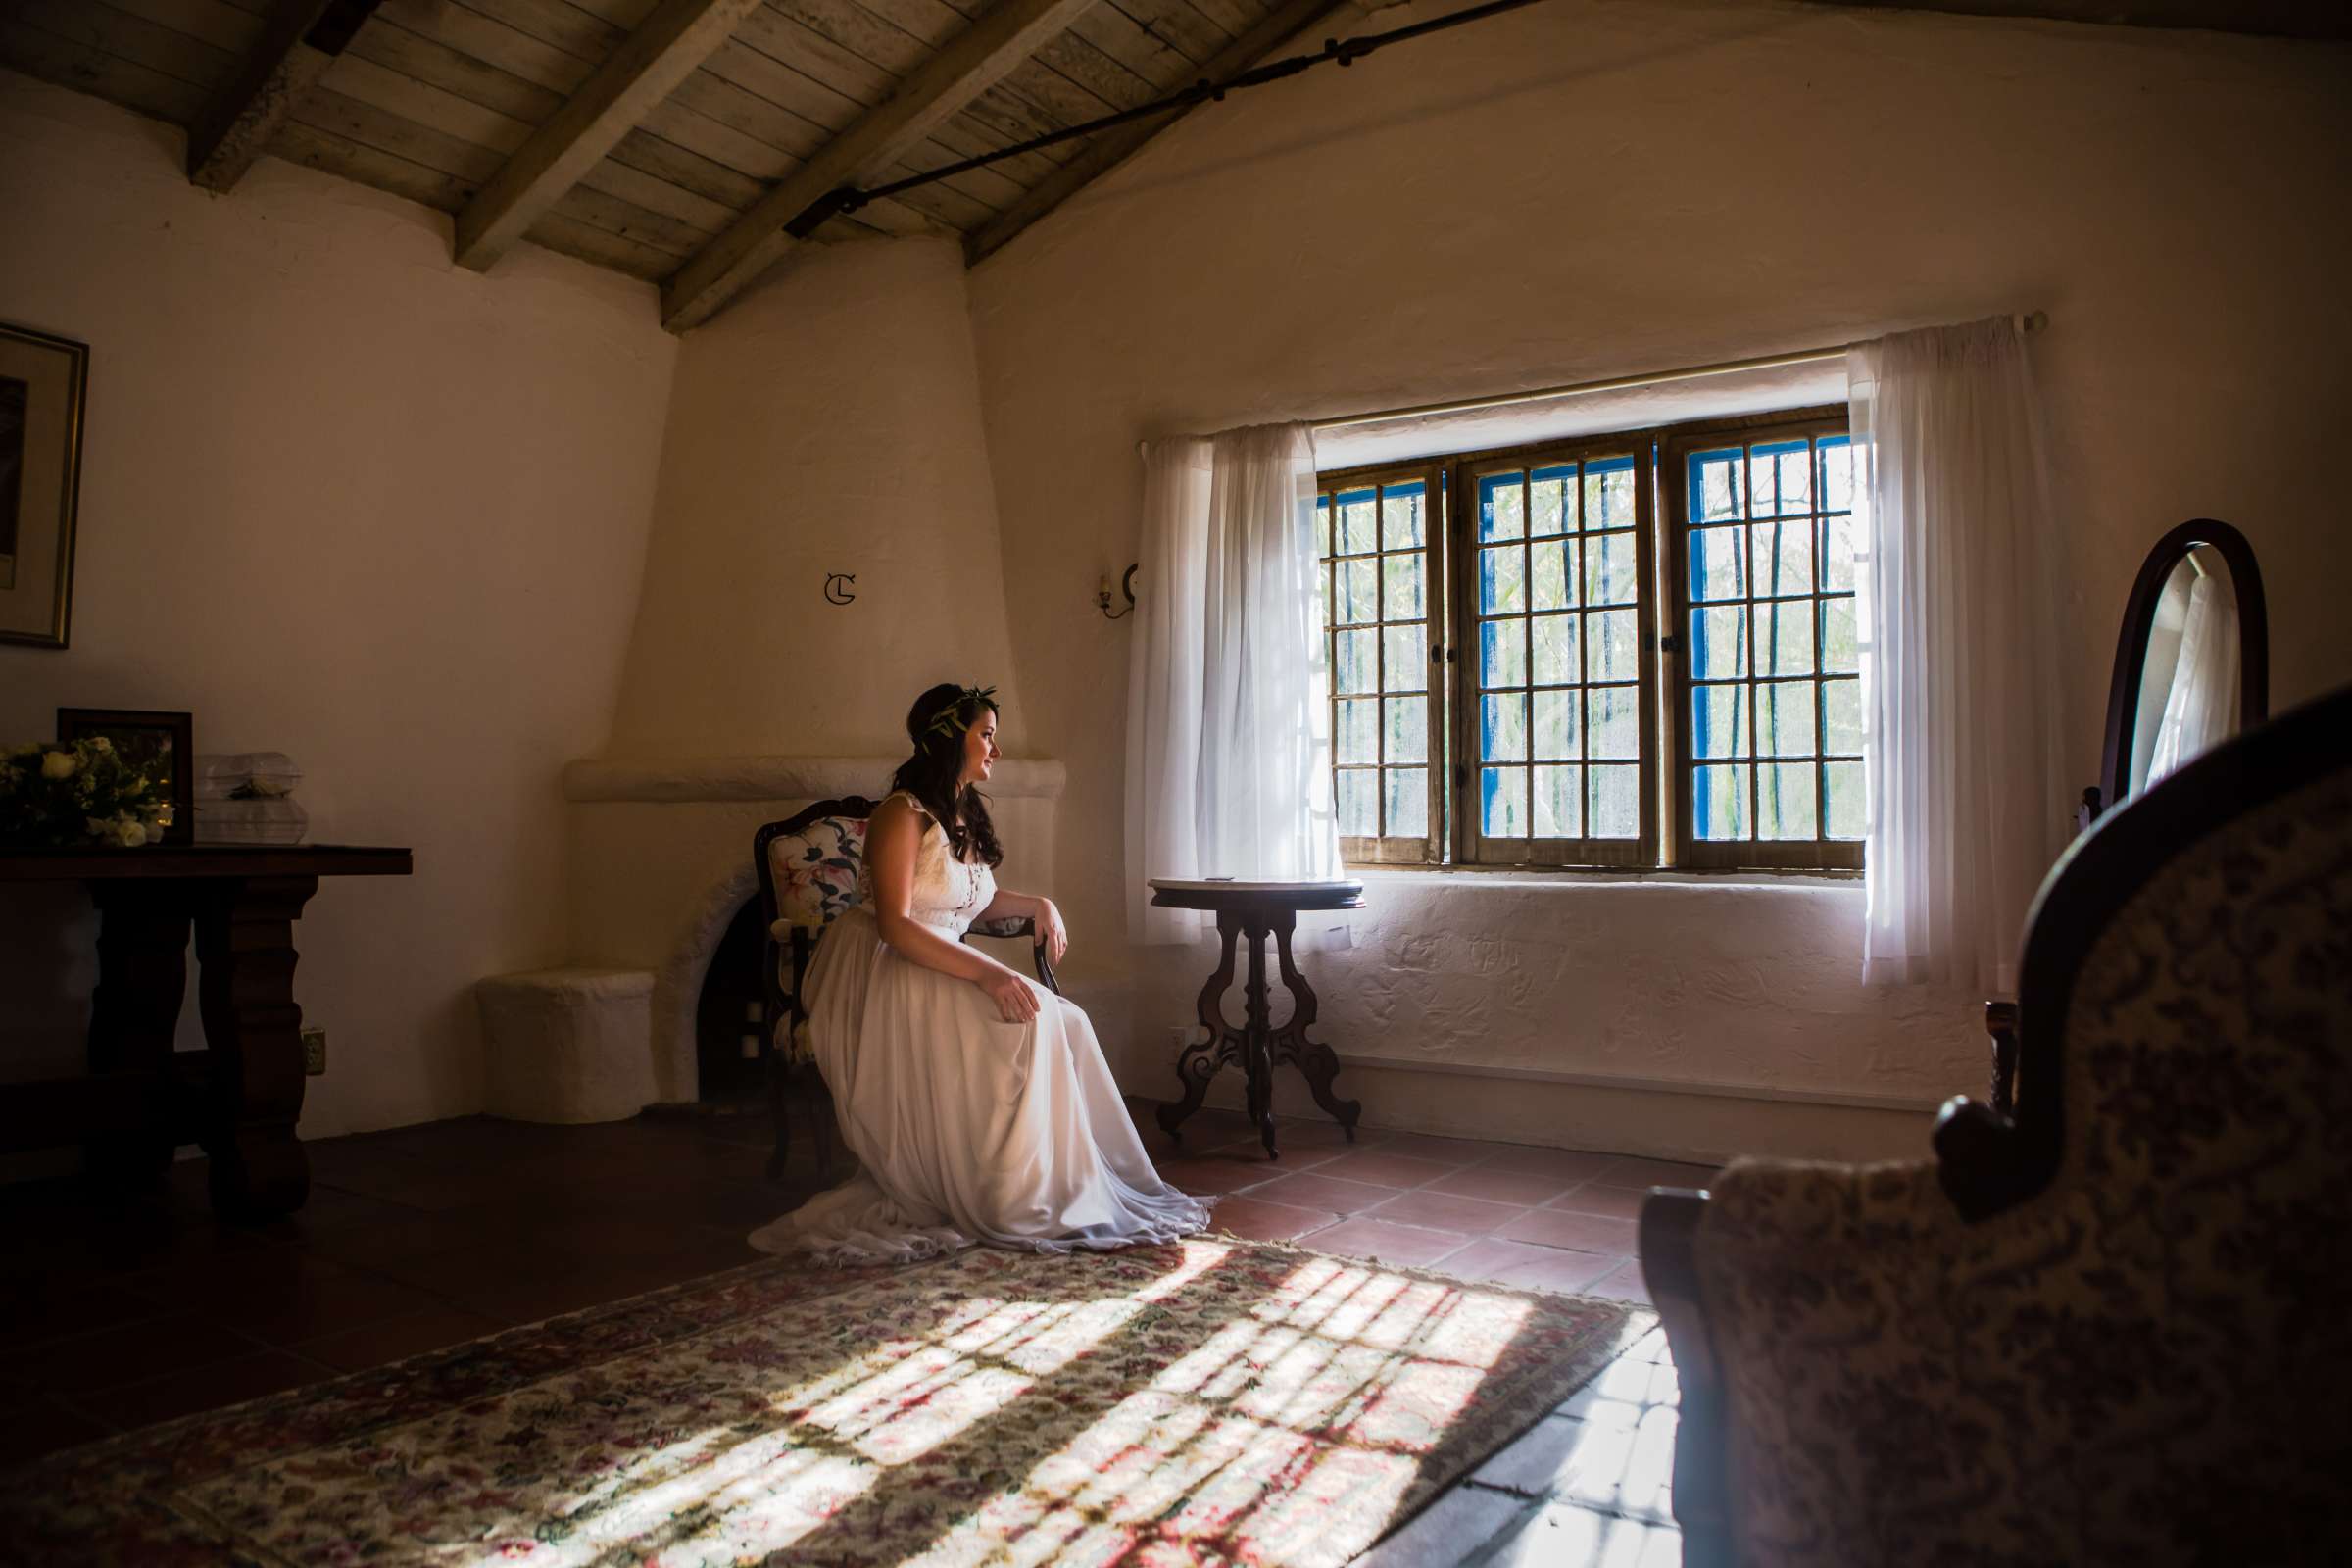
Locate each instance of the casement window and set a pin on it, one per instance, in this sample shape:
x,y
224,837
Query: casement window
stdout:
x,y
1380,546
1633,649
1768,708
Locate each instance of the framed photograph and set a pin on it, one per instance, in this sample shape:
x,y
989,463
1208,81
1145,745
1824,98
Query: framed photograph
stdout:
x,y
43,381
153,743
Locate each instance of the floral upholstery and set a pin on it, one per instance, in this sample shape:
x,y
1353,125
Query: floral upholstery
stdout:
x,y
816,873
2146,1362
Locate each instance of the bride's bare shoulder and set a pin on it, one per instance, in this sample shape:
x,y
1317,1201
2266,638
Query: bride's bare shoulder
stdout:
x,y
896,808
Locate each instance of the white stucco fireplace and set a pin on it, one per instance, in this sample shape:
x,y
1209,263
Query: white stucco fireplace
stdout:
x,y
660,865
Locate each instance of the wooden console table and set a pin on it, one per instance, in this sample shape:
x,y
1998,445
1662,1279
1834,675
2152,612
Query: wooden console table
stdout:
x,y
1254,910
240,1098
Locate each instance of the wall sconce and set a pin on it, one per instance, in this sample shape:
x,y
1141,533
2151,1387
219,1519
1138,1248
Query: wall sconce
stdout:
x,y
1126,586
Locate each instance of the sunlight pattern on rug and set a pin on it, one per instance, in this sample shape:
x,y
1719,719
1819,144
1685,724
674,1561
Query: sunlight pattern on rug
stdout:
x,y
1324,1394
1202,1401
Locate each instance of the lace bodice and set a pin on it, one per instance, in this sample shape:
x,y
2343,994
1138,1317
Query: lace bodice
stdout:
x,y
948,893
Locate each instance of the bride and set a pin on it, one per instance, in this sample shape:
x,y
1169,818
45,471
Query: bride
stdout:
x,y
977,1103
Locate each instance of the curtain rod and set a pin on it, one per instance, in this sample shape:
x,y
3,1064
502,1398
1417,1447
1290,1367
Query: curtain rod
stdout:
x,y
1343,51
2027,322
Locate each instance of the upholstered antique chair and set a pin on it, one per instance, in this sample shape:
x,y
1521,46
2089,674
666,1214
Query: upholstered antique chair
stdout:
x,y
2117,1328
807,868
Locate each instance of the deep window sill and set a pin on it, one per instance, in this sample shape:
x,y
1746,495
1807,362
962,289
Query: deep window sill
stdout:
x,y
1518,876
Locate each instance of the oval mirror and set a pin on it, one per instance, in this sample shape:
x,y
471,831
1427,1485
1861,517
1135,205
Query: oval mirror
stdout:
x,y
2192,666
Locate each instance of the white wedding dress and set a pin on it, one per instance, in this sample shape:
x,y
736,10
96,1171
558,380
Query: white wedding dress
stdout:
x,y
968,1129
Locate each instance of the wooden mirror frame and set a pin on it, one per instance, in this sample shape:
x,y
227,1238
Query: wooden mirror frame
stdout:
x,y
2139,621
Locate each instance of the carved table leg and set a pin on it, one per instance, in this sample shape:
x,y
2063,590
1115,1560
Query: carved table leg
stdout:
x,y
1202,1058
245,948
1259,1044
142,978
1316,1061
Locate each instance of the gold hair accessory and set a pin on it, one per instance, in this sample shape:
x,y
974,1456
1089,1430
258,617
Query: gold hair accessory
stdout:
x,y
946,724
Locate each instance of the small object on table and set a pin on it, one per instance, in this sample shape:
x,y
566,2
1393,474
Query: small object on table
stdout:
x,y
240,1098
1256,910
247,798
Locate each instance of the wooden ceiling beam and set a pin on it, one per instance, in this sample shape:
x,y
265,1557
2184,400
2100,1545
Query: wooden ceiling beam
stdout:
x,y
302,39
965,67
647,67
1112,148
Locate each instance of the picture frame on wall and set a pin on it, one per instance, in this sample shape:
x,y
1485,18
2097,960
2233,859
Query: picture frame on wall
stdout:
x,y
145,739
44,381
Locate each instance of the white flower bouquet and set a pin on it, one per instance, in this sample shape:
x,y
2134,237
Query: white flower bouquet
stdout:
x,y
65,794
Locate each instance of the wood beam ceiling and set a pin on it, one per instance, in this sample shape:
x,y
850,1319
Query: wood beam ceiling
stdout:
x,y
241,77
302,40
1115,147
646,68
968,66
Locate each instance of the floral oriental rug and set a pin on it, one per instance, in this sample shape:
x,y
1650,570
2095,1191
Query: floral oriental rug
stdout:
x,y
1205,1401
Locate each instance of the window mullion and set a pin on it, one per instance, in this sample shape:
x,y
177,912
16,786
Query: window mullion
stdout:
x,y
1436,611
1648,830
1461,533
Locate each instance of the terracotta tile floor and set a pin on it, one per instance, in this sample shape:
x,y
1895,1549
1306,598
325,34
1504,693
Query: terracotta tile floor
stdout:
x,y
1543,1218
117,1311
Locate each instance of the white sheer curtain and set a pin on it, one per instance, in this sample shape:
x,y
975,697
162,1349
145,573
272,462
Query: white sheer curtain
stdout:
x,y
2200,712
1962,685
1228,717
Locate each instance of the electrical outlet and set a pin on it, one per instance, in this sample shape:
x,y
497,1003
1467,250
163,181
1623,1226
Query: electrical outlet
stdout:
x,y
313,1052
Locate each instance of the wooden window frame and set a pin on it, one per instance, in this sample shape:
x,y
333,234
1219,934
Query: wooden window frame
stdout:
x,y
1667,839
1675,444
1385,848
1471,846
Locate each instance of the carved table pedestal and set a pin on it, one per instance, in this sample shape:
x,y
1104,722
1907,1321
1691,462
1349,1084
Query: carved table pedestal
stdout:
x,y
1257,909
240,1096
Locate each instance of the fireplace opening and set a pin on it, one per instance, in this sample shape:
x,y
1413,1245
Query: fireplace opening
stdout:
x,y
728,1017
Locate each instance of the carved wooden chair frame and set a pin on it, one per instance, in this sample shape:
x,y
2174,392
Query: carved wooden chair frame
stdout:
x,y
1989,1163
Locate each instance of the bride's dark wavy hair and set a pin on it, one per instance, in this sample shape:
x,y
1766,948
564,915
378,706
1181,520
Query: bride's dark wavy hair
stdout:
x,y
937,723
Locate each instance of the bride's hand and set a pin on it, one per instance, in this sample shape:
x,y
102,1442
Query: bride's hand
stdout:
x,y
1052,934
1016,1002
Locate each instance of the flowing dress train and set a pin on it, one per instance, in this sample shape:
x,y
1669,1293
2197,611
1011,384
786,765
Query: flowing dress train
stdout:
x,y
967,1129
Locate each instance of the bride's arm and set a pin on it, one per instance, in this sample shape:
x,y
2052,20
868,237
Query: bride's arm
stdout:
x,y
893,837
1051,935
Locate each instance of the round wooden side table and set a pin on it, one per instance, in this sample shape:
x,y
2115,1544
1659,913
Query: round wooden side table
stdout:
x,y
1256,910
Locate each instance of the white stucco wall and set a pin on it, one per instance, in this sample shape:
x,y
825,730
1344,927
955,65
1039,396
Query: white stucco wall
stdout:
x,y
1598,187
342,500
827,422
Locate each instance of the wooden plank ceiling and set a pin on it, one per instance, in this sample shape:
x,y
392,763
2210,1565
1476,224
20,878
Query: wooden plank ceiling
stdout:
x,y
672,139
701,108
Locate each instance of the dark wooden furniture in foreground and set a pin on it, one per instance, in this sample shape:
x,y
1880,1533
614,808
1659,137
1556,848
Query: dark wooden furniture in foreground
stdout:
x,y
1256,910
782,1073
2107,1329
241,1098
